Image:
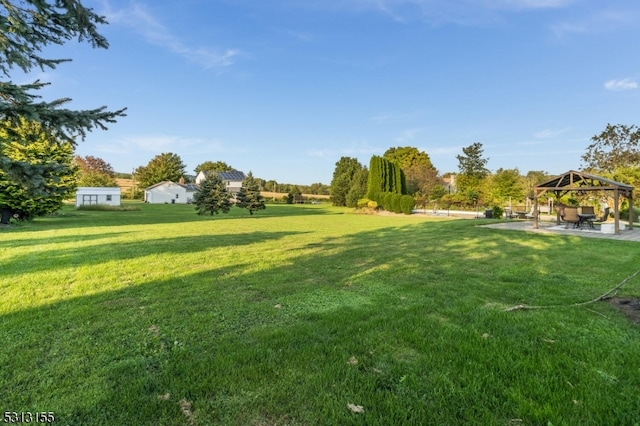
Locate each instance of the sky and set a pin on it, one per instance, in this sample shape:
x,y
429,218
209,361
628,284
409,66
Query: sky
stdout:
x,y
285,88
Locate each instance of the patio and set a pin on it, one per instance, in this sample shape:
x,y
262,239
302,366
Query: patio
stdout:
x,y
553,228
582,183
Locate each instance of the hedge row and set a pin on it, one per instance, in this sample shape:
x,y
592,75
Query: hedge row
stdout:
x,y
391,202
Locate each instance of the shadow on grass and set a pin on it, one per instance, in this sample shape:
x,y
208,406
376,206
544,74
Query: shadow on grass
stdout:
x,y
158,213
391,319
60,258
60,239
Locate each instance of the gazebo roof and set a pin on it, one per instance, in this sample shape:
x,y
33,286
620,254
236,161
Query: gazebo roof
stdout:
x,y
581,181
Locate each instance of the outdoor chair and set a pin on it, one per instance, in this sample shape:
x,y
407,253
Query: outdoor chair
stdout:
x,y
530,215
604,217
587,210
570,215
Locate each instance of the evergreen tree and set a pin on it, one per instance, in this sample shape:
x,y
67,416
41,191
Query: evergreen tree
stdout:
x,y
384,176
43,175
374,181
249,195
212,197
343,179
473,171
165,166
358,188
27,27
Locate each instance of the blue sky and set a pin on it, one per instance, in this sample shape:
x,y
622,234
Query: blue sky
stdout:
x,y
284,88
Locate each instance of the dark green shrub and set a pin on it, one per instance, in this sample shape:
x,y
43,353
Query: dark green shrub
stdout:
x,y
406,204
624,214
385,199
395,203
497,212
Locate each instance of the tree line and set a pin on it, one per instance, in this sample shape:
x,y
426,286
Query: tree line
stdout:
x,y
38,169
407,171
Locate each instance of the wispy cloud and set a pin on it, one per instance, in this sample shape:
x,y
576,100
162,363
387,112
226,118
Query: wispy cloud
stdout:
x,y
601,20
462,12
407,135
550,133
301,36
138,18
621,85
530,4
389,11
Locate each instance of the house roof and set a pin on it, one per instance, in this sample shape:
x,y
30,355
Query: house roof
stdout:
x,y
233,175
157,184
187,186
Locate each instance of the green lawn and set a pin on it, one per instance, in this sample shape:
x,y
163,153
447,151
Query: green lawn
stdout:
x,y
161,317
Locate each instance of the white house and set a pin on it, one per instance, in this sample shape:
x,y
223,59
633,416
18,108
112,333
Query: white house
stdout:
x,y
232,180
88,195
168,192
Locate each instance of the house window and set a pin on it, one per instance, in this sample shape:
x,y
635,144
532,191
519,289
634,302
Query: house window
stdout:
x,y
177,196
108,197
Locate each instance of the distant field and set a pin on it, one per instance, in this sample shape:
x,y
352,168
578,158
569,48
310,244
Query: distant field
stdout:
x,y
311,314
124,184
279,195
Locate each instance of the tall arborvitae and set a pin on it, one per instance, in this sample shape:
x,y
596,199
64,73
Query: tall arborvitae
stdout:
x,y
374,182
384,176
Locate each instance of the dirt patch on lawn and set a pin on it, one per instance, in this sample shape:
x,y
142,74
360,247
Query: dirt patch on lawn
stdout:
x,y
630,307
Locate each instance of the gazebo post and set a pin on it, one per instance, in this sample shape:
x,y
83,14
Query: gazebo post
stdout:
x,y
535,209
630,209
616,211
558,196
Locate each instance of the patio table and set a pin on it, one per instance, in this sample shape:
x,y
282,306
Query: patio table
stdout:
x,y
586,218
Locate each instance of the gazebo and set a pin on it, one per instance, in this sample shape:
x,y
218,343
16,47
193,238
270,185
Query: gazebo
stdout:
x,y
581,182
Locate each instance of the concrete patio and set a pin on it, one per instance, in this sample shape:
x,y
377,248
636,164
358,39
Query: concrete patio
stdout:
x,y
549,227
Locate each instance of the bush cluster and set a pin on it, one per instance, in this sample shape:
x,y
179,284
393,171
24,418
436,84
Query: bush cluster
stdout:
x,y
391,202
624,214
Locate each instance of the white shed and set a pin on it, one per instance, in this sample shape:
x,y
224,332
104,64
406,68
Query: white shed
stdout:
x,y
88,195
168,192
